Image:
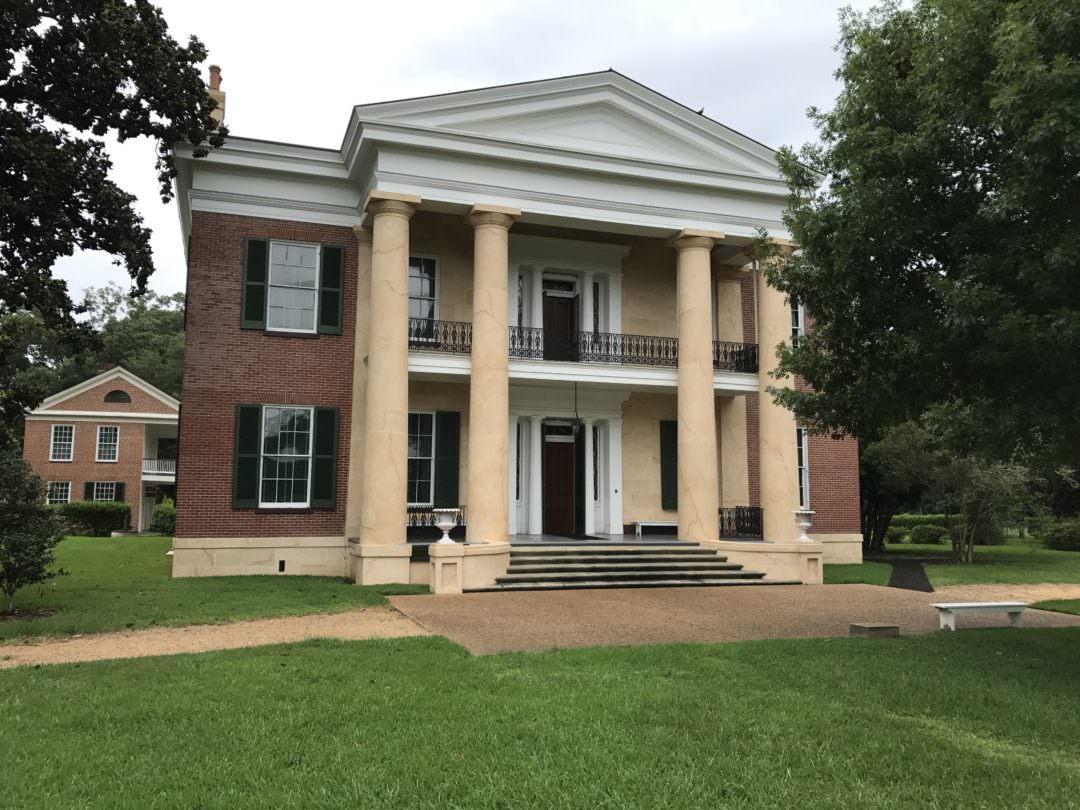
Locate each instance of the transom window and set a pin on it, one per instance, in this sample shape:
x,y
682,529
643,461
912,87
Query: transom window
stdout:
x,y
286,457
108,443
118,396
294,287
104,490
421,458
63,443
802,446
423,271
59,492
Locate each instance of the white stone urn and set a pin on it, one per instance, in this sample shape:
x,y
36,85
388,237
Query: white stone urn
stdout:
x,y
445,521
803,520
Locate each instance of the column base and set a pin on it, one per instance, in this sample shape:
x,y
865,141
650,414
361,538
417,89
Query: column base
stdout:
x,y
383,565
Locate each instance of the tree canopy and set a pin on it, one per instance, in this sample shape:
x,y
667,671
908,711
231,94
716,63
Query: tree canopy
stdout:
x,y
938,218
71,72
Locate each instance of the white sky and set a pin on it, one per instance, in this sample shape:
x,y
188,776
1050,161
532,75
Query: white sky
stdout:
x,y
755,65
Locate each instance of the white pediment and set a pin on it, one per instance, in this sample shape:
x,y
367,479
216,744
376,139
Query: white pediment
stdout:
x,y
600,113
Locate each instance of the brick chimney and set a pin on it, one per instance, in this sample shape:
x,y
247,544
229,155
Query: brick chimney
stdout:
x,y
217,94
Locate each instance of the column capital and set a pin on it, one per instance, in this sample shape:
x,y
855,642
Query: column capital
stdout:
x,y
492,215
362,233
694,239
787,247
391,202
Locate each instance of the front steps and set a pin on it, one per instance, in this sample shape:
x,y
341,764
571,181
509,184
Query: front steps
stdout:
x,y
538,568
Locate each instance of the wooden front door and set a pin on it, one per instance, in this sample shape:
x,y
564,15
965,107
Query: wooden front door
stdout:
x,y
559,487
560,328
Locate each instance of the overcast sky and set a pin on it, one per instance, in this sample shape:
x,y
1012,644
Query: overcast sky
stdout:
x,y
755,65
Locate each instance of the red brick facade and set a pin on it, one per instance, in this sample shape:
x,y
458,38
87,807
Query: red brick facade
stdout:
x,y
834,463
84,465
225,365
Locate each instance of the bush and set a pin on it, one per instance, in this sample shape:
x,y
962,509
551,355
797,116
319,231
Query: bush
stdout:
x,y
910,521
96,518
1062,535
896,534
164,519
985,535
929,535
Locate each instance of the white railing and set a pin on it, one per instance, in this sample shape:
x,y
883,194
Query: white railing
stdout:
x,y
159,466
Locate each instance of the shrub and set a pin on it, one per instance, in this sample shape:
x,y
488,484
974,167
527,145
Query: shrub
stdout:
x,y
985,535
896,534
910,521
97,518
164,519
929,535
29,530
1062,535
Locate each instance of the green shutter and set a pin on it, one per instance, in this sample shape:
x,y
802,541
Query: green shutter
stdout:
x,y
447,458
324,459
118,491
256,269
331,289
246,465
88,491
669,465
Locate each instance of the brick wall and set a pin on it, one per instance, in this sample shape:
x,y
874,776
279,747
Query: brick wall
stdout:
x,y
84,467
225,365
834,463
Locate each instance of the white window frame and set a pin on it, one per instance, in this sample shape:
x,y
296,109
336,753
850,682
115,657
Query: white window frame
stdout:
x,y
431,501
97,451
802,445
798,328
318,286
52,443
110,484
262,456
49,493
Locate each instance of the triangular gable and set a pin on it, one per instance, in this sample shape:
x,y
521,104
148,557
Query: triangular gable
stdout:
x,y
103,380
602,113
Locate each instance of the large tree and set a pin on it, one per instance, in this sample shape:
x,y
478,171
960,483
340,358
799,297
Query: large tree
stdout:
x,y
939,224
71,72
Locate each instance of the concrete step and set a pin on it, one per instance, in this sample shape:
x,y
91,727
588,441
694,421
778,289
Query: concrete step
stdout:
x,y
593,551
626,576
612,566
616,559
646,583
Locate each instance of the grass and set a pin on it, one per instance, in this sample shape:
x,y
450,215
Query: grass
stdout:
x,y
870,573
1016,563
975,719
1060,605
123,582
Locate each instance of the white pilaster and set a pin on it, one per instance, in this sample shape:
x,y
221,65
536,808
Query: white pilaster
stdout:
x,y
536,298
536,506
590,510
512,485
587,303
614,291
614,466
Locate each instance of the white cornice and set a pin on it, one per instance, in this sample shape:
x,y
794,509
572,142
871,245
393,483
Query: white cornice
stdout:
x,y
101,416
117,373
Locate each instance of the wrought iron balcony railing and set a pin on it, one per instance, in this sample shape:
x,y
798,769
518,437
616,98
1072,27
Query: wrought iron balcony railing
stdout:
x,y
532,343
454,337
741,523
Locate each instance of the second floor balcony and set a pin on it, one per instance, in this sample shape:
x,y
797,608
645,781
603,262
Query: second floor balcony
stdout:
x,y
531,343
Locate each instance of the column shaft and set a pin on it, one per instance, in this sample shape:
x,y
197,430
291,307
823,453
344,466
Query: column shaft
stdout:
x,y
614,476
590,511
385,472
489,384
779,462
699,486
511,479
536,473
358,433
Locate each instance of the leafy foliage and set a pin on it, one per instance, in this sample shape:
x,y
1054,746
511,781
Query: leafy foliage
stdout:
x,y
29,530
1062,535
164,518
70,73
96,518
928,534
937,220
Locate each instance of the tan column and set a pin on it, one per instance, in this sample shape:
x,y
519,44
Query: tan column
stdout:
x,y
489,384
699,485
358,431
386,418
779,463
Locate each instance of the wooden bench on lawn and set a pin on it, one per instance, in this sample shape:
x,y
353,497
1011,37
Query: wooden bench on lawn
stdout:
x,y
667,524
947,611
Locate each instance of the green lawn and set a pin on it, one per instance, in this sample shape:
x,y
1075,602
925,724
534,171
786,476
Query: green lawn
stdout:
x,y
976,719
871,573
122,582
1013,564
1060,605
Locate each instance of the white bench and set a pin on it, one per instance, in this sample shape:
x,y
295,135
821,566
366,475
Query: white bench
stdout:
x,y
947,611
667,524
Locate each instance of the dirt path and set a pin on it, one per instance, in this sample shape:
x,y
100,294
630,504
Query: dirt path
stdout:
x,y
375,622
1001,593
